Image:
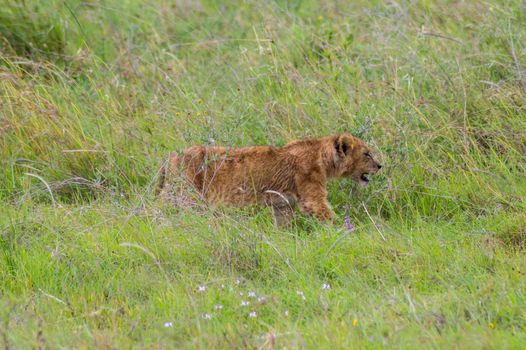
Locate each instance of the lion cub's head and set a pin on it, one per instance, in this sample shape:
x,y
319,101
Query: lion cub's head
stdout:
x,y
354,159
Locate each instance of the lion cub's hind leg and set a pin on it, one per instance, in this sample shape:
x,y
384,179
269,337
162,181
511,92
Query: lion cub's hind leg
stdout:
x,y
174,188
180,195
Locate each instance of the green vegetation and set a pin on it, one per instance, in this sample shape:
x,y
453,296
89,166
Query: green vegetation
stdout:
x,y
93,95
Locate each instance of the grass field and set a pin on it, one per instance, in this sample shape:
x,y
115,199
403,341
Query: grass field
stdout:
x,y
93,95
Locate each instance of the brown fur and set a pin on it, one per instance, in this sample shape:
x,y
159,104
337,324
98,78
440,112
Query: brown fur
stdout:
x,y
278,177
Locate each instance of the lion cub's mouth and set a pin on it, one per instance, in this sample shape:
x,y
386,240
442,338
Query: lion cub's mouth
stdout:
x,y
365,177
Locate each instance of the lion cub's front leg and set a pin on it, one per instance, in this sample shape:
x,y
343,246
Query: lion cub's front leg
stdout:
x,y
321,210
313,199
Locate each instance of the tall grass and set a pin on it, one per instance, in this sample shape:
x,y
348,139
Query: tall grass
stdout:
x,y
95,94
32,29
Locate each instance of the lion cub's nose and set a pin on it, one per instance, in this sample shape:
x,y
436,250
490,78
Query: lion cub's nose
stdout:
x,y
379,166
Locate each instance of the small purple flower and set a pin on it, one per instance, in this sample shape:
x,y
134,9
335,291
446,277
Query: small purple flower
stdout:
x,y
201,288
252,314
325,286
251,294
207,316
349,226
245,303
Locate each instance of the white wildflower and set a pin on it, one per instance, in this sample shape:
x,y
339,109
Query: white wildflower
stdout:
x,y
252,314
168,324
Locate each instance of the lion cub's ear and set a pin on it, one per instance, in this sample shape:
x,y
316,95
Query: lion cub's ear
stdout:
x,y
343,147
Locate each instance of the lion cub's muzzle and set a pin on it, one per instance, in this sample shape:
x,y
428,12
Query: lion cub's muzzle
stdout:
x,y
366,176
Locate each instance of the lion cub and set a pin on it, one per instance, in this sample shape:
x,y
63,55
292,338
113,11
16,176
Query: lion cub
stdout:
x,y
279,177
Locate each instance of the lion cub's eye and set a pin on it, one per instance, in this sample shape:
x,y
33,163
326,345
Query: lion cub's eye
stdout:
x,y
368,155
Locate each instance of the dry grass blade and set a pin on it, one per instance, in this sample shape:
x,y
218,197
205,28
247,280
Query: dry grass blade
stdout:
x,y
45,184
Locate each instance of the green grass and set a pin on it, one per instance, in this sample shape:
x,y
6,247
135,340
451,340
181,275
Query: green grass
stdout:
x,y
95,93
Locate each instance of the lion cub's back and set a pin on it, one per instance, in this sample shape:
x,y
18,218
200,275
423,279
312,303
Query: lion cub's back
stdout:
x,y
238,175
